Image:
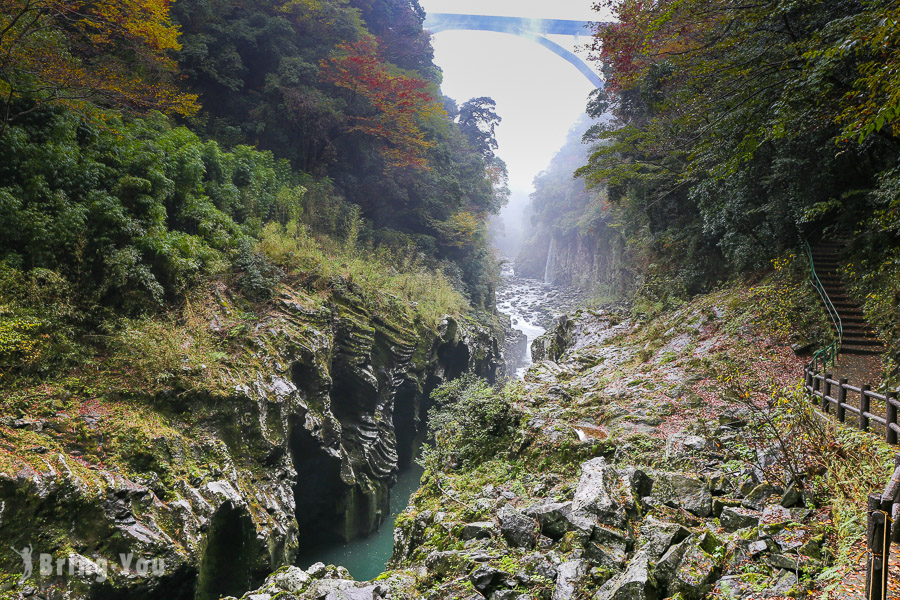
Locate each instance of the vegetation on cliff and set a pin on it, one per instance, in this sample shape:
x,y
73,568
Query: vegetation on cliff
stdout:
x,y
230,234
321,148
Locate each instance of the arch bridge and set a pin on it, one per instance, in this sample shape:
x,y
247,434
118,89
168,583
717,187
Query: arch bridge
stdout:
x,y
531,29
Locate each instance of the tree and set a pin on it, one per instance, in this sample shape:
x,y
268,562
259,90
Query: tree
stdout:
x,y
386,104
478,120
107,52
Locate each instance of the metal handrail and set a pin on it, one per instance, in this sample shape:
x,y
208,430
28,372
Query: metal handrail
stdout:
x,y
828,354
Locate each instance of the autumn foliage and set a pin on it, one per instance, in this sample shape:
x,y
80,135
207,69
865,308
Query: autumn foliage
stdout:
x,y
391,104
107,52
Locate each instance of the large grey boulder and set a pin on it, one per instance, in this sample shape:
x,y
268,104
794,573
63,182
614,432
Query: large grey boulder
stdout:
x,y
661,535
552,517
757,498
344,589
687,568
604,492
518,530
478,531
634,583
680,490
609,547
443,563
734,518
569,575
485,578
292,579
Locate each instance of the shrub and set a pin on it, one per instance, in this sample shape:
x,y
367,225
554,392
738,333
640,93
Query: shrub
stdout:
x,y
471,422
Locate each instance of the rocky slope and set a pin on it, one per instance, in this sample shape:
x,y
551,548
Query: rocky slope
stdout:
x,y
640,469
201,490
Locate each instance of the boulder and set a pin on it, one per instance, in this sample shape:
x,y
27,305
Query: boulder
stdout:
x,y
786,583
609,547
509,595
781,561
758,547
791,496
448,562
519,530
660,536
478,531
485,578
344,589
680,490
552,517
694,442
569,575
292,579
634,583
695,574
757,497
602,492
733,519
775,514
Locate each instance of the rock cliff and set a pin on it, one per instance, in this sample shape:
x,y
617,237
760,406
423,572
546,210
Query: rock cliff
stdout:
x,y
208,489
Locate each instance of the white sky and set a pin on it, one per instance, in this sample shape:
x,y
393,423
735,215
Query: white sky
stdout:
x,y
539,95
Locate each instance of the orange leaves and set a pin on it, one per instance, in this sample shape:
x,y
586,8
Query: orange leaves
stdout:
x,y
108,52
393,104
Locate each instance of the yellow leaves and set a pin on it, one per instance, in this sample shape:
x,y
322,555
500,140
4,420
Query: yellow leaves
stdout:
x,y
111,53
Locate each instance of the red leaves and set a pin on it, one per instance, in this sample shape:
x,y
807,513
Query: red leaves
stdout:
x,y
393,103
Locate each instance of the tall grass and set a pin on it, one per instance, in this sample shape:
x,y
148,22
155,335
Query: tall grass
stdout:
x,y
392,280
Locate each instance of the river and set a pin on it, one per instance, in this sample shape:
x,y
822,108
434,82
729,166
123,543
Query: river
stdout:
x,y
366,557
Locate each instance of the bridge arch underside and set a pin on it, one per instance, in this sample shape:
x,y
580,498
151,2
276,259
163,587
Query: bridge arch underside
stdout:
x,y
568,55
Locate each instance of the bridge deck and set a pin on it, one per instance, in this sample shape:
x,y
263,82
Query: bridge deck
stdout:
x,y
445,21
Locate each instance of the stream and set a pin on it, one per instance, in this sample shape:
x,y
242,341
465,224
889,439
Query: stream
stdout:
x,y
532,306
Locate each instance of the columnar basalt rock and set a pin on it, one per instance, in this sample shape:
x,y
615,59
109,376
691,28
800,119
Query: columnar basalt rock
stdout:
x,y
304,448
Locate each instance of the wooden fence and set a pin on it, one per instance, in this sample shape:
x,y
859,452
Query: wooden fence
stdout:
x,y
883,521
843,398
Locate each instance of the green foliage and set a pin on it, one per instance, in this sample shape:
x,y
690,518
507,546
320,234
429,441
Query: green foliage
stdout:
x,y
471,422
727,141
263,71
153,352
393,280
787,304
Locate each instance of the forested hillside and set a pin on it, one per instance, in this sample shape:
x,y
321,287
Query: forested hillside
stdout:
x,y
320,120
737,131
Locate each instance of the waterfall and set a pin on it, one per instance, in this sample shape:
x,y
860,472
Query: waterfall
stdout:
x,y
551,262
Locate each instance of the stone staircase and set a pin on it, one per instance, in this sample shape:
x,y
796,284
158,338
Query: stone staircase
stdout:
x,y
858,338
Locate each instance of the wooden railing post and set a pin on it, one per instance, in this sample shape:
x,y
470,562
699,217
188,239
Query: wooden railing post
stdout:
x,y
864,405
890,417
842,399
895,526
826,391
808,374
876,535
816,382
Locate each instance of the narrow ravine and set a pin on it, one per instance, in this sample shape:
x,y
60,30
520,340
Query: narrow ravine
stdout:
x,y
366,557
532,306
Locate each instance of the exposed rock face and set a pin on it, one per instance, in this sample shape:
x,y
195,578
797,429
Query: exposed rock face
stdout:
x,y
587,261
303,448
651,512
